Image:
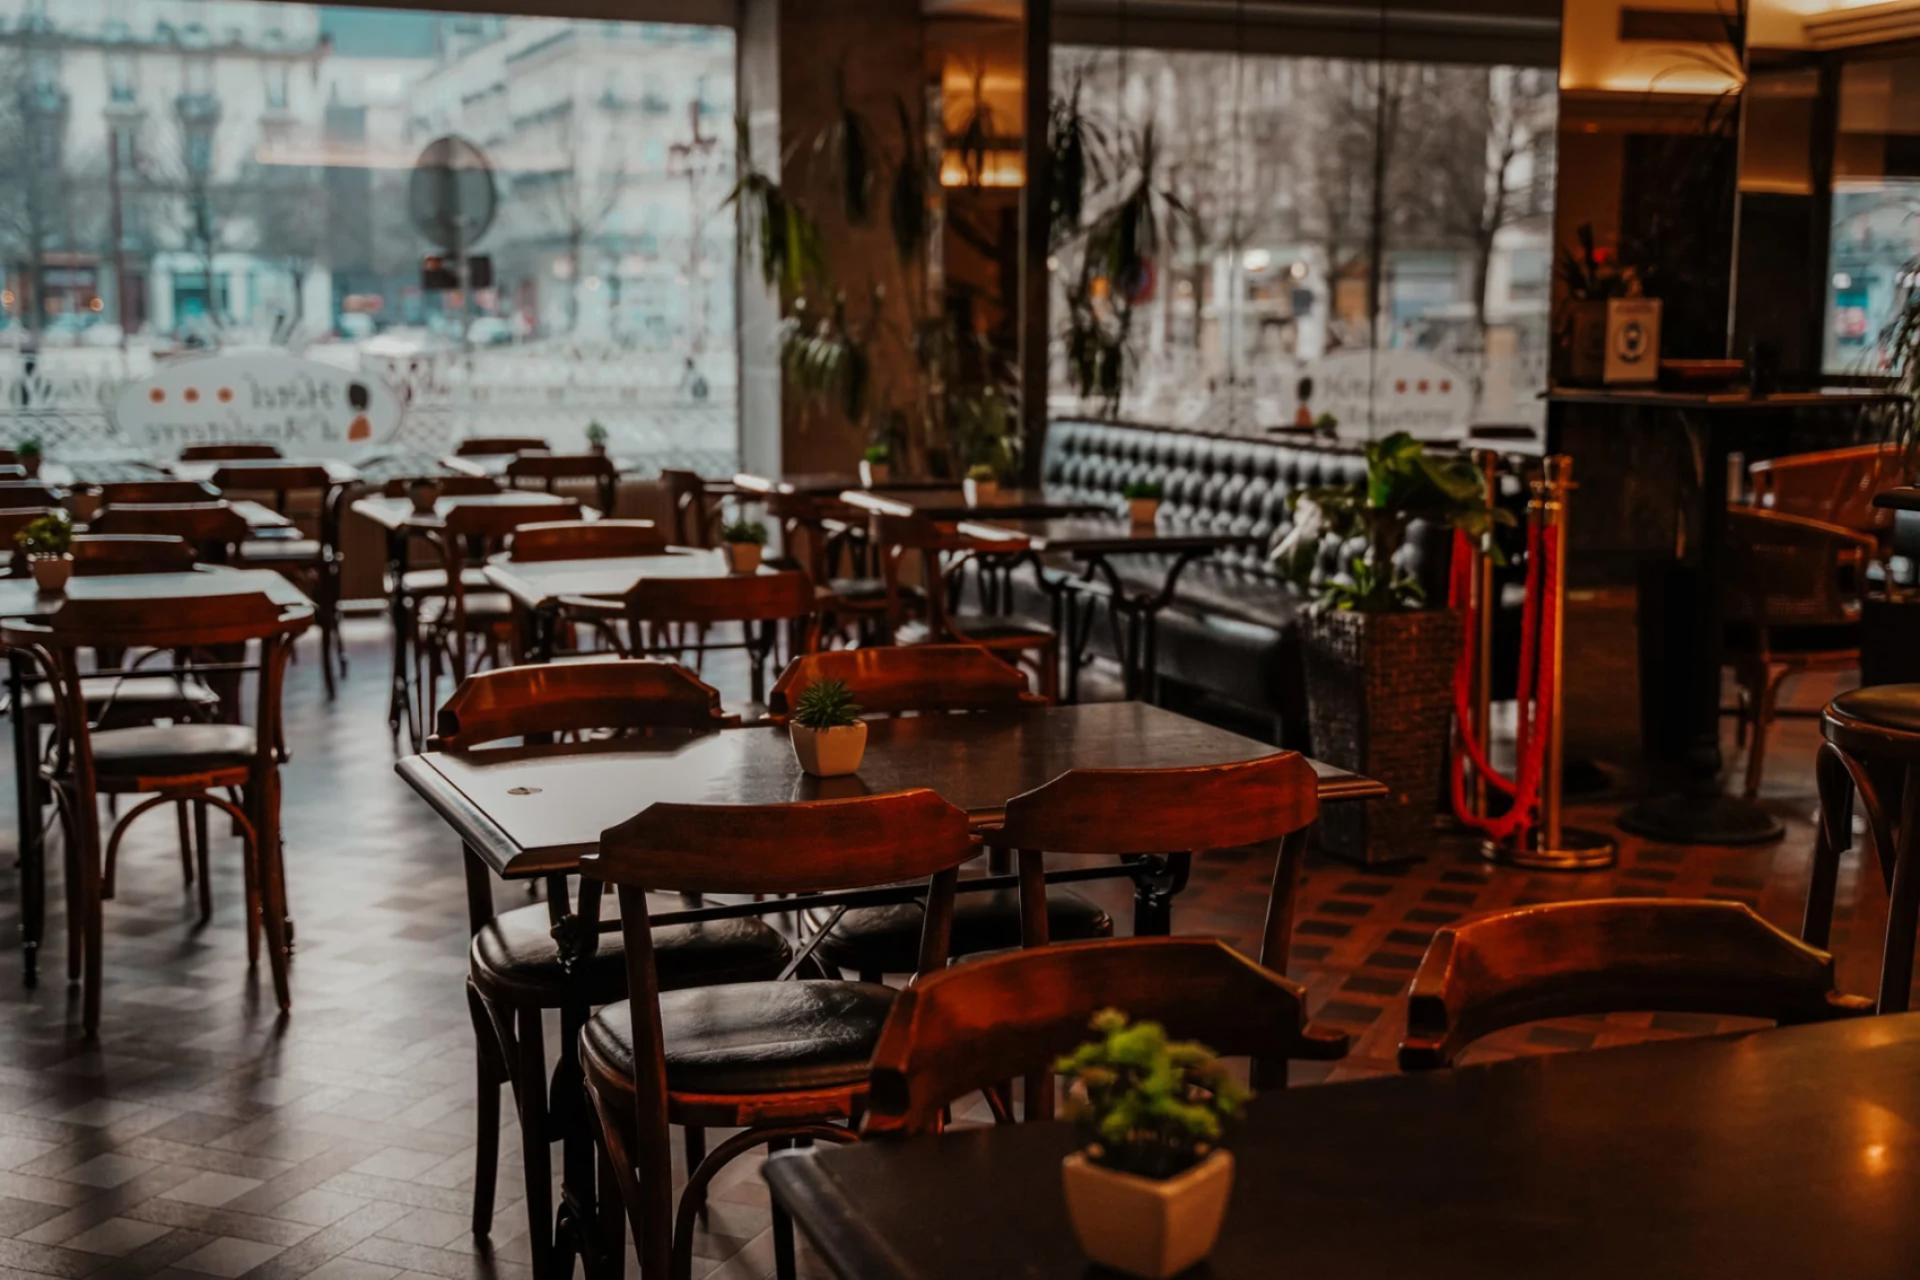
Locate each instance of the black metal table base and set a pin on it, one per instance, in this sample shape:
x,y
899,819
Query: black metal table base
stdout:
x,y
1696,819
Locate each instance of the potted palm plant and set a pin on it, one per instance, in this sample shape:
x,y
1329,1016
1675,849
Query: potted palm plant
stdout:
x,y
29,453
1379,657
1143,501
982,485
1148,1190
746,542
876,465
48,544
828,735
596,439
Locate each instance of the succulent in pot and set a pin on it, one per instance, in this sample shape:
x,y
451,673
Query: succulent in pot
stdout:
x,y
1143,501
876,465
29,452
1148,1190
48,545
982,485
745,543
828,735
597,438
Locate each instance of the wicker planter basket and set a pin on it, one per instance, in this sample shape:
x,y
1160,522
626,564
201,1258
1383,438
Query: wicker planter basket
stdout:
x,y
1379,699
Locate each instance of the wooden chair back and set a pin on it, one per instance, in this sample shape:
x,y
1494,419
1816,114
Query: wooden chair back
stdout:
x,y
967,1028
290,478
451,486
102,554
781,596
546,470
1835,486
28,493
492,522
585,540
694,513
888,680
576,697
241,452
1616,955
120,493
213,528
896,537
493,446
1788,570
1177,810
173,622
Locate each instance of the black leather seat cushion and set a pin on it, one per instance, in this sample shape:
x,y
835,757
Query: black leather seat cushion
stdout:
x,y
515,959
1890,706
751,1037
165,749
874,940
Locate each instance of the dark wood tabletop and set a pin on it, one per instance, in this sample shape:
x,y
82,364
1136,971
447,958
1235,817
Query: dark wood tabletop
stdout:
x,y
542,584
1736,399
398,513
1774,1154
535,810
495,464
338,472
827,484
952,504
1904,498
19,598
1084,536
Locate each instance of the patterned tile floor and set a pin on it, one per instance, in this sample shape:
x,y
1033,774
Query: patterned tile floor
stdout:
x,y
197,1138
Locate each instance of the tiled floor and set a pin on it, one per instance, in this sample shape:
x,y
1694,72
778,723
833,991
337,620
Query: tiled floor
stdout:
x,y
198,1138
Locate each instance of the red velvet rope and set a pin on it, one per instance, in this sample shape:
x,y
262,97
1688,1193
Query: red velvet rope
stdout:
x,y
1536,642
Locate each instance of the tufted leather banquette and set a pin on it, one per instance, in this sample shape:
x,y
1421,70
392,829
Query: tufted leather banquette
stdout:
x,y
1233,628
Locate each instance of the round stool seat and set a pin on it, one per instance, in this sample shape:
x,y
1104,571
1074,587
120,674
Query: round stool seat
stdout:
x,y
1878,720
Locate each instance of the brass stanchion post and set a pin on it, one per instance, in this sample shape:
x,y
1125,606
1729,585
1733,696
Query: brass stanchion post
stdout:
x,y
1552,846
1483,603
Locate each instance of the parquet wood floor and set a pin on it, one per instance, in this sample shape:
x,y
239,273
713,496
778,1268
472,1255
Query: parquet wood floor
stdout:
x,y
198,1139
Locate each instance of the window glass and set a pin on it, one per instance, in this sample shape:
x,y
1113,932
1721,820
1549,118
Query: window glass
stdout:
x,y
232,179
1873,253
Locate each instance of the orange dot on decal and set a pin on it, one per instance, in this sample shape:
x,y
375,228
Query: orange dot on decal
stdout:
x,y
157,395
1423,386
226,395
1446,384
192,395
1400,387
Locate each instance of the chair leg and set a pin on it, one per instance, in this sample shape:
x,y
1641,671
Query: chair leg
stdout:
x,y
489,1075
1832,837
250,874
200,853
642,1180
180,812
270,877
1903,904
536,1154
92,932
785,1265
76,912
611,1219
1765,700
695,1139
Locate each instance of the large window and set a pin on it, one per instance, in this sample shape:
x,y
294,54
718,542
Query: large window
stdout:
x,y
234,177
1874,244
1286,289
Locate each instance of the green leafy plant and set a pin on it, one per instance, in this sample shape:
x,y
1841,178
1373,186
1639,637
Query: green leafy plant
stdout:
x,y
50,535
1147,1105
596,434
981,471
1144,491
878,455
826,705
738,531
1404,483
28,448
790,246
1327,424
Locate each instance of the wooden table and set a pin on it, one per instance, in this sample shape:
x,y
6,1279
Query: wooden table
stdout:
x,y
827,484
494,465
19,598
1776,1155
338,473
1093,543
400,523
952,504
540,588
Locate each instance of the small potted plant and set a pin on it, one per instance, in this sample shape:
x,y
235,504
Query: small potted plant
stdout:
x,y
1143,501
876,465
423,492
1148,1190
746,542
982,485
829,737
597,439
28,451
48,544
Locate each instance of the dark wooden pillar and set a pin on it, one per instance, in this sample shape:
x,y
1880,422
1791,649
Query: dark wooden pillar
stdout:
x,y
1035,233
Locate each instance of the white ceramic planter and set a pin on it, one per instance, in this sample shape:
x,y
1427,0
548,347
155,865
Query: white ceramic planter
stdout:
x,y
829,753
981,493
1147,1227
744,557
50,573
1143,511
873,473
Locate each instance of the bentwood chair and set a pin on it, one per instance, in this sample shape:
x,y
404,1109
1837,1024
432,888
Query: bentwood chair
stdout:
x,y
1833,486
828,539
313,563
214,529
494,446
696,506
516,969
165,763
781,1061
970,1027
932,679
938,546
546,471
585,540
1792,593
1617,955
242,451
123,553
760,603
121,493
